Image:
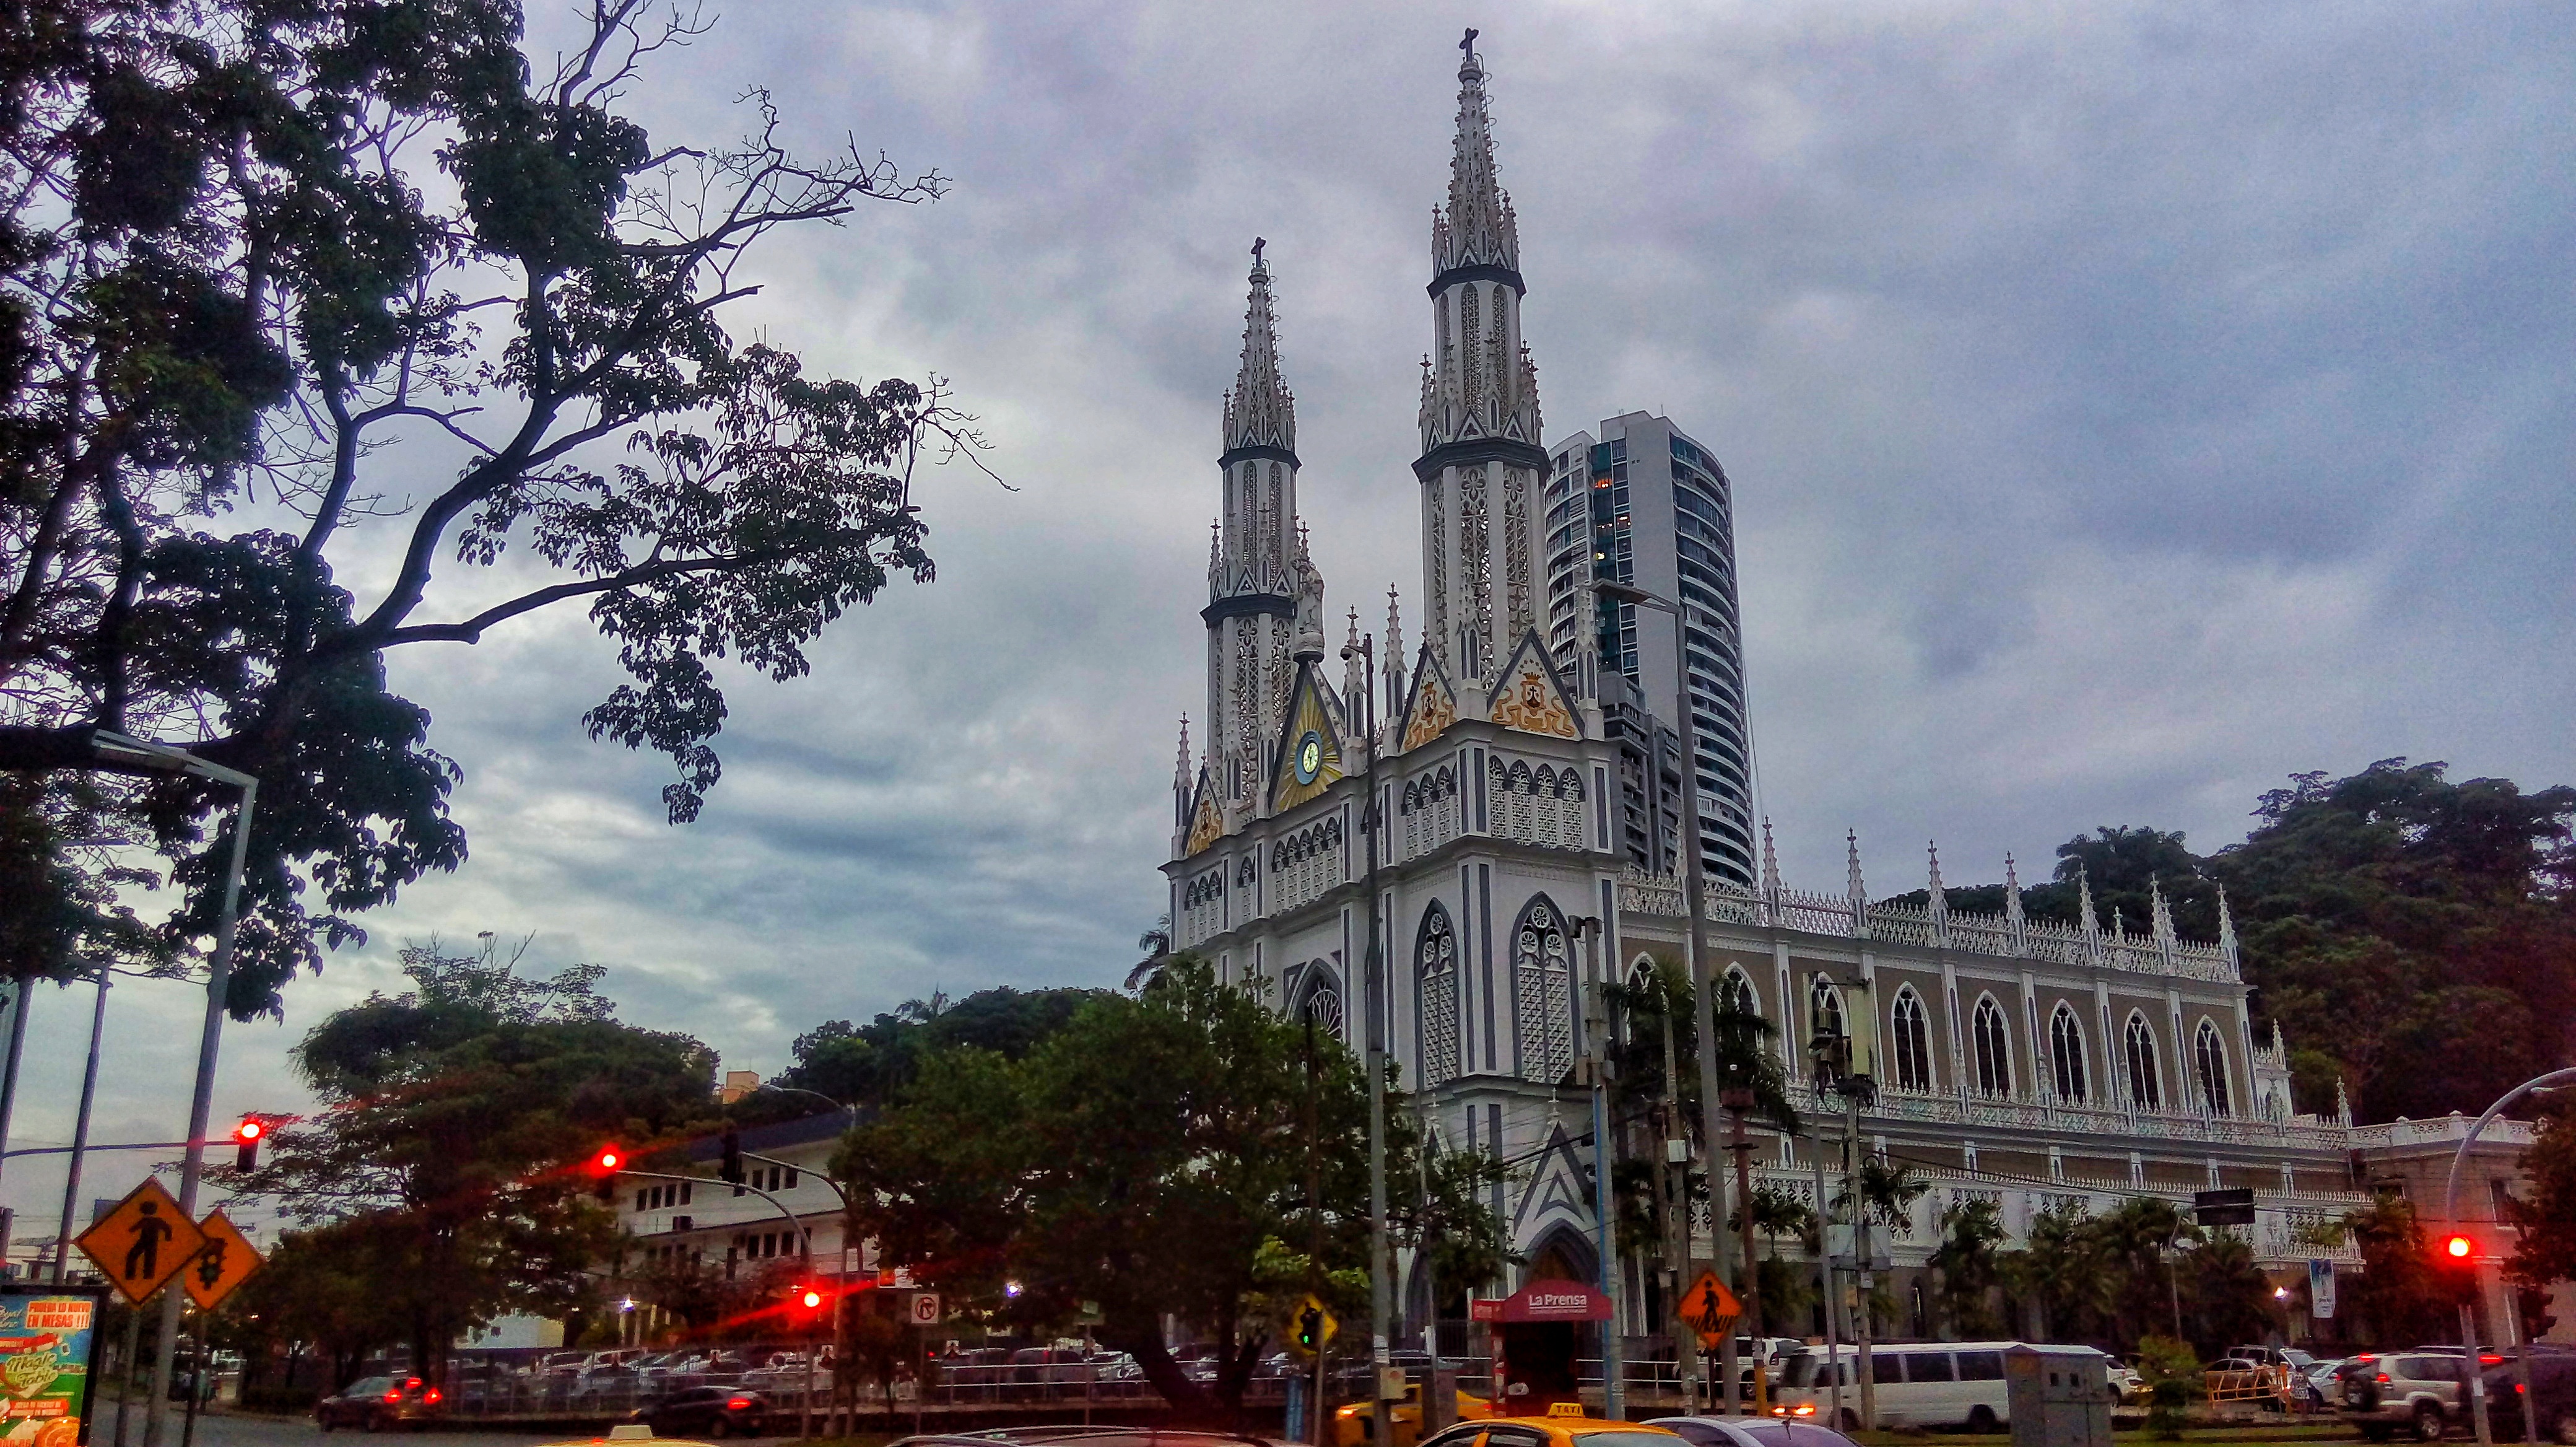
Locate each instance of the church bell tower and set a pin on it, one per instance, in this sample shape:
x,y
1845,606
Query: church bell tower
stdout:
x,y
1263,590
1482,455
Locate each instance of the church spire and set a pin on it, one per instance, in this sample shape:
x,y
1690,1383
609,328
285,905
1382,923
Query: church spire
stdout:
x,y
1477,227
1260,411
1481,459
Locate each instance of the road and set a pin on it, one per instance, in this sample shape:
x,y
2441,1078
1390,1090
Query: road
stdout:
x,y
231,1431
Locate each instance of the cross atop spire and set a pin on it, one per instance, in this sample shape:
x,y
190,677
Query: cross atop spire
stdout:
x,y
1477,226
1260,411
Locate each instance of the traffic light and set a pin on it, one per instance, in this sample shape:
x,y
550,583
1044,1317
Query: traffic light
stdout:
x,y
730,1169
811,1298
605,1165
1310,1330
2459,1248
246,1139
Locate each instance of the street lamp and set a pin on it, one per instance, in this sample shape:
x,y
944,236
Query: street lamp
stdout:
x,y
2459,1247
1704,1002
124,754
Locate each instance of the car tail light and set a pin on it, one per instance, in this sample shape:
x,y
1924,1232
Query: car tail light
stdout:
x,y
2383,1379
738,1403
433,1395
1806,1409
394,1396
2488,1361
411,1384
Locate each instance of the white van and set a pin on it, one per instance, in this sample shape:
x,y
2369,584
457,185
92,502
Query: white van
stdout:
x,y
1917,1384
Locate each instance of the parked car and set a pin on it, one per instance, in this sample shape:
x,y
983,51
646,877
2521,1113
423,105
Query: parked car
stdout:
x,y
1751,1432
977,1374
2417,1392
2553,1389
376,1403
706,1412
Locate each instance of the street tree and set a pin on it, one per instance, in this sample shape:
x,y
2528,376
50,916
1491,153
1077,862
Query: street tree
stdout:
x,y
337,328
1165,1154
1969,1270
442,1172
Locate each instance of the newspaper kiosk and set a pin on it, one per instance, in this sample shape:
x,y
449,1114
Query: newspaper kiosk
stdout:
x,y
1540,1332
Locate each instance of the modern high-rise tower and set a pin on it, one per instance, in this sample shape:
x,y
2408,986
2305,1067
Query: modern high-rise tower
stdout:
x,y
1645,505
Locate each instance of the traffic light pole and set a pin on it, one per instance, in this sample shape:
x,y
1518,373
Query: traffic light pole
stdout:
x,y
1373,998
2477,1380
840,1319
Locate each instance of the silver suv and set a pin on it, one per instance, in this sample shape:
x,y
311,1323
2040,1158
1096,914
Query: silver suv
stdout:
x,y
2416,1392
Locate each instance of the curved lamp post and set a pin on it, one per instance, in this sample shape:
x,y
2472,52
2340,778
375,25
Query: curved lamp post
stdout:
x,y
2477,1380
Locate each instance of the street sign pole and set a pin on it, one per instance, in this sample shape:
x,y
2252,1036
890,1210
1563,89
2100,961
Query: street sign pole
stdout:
x,y
201,1103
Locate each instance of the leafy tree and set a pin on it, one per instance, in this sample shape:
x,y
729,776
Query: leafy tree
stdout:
x,y
867,1065
2421,932
265,267
2544,1214
1153,1156
440,1174
2399,1292
1968,1265
2131,1244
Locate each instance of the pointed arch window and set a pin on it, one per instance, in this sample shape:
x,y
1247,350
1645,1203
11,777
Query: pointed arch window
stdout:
x,y
2209,1053
1435,963
1993,1042
1470,330
1320,1000
1736,990
2138,1043
1543,989
1825,1009
2066,1052
1910,1042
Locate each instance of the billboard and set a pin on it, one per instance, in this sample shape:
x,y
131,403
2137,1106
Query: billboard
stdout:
x,y
48,1348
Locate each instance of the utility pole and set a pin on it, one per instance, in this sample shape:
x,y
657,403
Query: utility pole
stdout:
x,y
80,1130
1702,993
1314,1232
1833,1290
1862,1277
1596,1023
1738,1100
1381,1290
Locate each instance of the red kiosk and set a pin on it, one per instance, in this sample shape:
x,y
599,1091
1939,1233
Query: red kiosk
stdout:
x,y
1538,1337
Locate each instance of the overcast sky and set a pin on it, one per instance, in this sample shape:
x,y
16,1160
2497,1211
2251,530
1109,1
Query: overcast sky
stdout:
x,y
2126,406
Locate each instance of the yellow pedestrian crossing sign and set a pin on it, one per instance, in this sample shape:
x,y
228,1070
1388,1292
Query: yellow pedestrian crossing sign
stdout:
x,y
1709,1309
144,1242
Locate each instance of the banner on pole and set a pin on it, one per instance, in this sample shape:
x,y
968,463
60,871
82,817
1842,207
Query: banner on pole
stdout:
x,y
2321,1288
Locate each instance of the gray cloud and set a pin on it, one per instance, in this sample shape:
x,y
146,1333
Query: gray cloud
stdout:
x,y
2127,405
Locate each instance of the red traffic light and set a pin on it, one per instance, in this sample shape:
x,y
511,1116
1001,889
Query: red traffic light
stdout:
x,y
608,1159
812,1298
250,1130
2458,1248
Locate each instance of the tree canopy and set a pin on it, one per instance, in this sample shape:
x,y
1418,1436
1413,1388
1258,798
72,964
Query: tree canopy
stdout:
x,y
1153,1156
264,267
866,1065
442,1172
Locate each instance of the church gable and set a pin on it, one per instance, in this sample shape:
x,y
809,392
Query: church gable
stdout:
x,y
1529,696
1556,1186
1432,706
1207,820
1310,748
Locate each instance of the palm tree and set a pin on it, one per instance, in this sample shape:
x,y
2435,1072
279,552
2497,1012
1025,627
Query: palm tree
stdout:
x,y
1966,1260
1157,945
2064,1272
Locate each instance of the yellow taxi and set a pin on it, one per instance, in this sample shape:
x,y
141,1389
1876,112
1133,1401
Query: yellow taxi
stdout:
x,y
1565,1424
